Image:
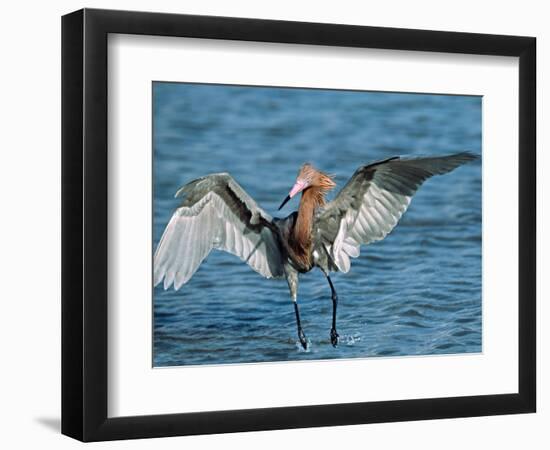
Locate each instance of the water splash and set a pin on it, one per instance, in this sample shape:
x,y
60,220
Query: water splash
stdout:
x,y
351,339
301,349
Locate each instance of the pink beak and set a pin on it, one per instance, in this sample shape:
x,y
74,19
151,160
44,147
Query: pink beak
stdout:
x,y
296,189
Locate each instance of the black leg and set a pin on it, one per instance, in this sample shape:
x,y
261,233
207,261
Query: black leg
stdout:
x,y
301,334
333,334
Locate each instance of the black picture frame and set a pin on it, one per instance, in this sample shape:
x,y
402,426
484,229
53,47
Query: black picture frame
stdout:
x,y
84,224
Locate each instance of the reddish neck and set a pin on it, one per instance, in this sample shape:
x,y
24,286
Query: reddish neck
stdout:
x,y
311,199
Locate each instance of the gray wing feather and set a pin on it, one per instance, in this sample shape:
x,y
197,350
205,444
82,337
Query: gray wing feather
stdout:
x,y
369,206
216,214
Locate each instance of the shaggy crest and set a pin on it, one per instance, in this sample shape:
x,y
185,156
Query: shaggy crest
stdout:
x,y
319,183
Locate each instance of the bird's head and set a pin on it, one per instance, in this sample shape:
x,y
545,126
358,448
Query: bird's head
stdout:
x,y
309,177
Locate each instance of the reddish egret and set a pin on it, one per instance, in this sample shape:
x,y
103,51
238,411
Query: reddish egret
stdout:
x,y
217,213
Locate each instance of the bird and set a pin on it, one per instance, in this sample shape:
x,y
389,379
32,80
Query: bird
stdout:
x,y
217,213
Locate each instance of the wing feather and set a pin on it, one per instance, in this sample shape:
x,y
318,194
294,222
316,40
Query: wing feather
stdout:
x,y
215,214
372,202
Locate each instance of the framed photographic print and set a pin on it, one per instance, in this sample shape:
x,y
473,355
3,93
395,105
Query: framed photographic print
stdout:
x,y
273,224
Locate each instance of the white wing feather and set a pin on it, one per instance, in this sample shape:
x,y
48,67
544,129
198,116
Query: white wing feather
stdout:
x,y
193,231
373,201
378,215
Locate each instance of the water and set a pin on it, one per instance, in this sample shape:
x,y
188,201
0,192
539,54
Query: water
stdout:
x,y
418,292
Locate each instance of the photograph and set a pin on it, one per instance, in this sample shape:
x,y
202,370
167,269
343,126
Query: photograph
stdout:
x,y
295,224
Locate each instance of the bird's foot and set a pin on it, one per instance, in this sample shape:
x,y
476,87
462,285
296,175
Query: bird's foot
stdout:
x,y
334,337
302,338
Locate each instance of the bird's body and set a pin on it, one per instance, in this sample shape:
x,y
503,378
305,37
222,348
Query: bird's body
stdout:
x,y
217,213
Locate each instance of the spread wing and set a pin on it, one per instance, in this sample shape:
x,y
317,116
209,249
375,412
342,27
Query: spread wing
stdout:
x,y
216,213
371,203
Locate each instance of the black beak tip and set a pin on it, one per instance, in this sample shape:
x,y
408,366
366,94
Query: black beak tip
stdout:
x,y
284,202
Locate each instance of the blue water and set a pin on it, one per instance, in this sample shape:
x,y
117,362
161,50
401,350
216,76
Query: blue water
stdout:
x,y
418,292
